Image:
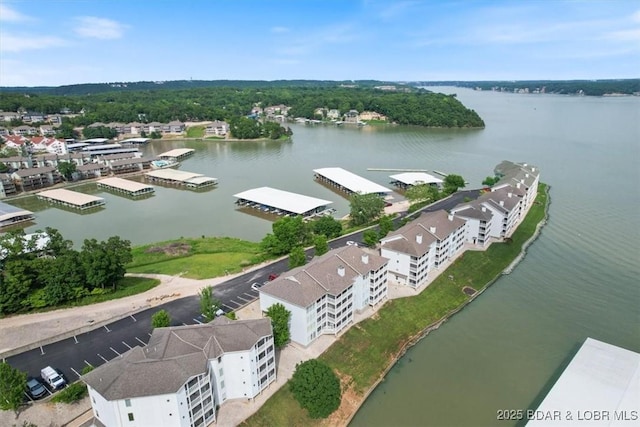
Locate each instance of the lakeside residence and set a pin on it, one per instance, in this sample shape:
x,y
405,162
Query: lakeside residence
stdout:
x,y
184,374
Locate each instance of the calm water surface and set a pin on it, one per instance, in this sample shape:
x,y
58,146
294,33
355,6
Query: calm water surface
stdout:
x,y
579,279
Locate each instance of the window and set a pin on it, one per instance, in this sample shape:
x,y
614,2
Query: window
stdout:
x,y
127,403
130,415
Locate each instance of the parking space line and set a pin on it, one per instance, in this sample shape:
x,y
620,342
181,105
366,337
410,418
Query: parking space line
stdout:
x,y
75,372
114,351
99,355
41,351
250,296
197,321
149,333
108,330
127,345
88,364
134,319
242,299
75,339
140,341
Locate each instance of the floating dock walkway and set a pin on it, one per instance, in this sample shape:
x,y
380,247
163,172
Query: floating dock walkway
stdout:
x,y
408,179
279,202
176,154
348,182
124,186
177,177
71,199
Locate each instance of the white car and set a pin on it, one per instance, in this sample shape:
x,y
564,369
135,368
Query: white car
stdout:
x,y
255,286
351,243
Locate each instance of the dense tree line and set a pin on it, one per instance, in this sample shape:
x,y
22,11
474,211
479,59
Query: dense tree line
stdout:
x,y
35,276
413,106
563,87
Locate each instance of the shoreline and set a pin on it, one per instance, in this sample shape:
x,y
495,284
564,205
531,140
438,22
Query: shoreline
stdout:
x,y
412,341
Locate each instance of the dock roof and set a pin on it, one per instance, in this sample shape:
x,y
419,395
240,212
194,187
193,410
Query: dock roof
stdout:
x,y
416,178
8,212
174,174
351,181
124,184
177,152
280,199
71,197
600,378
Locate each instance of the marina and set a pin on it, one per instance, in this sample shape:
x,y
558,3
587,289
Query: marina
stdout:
x,y
349,182
177,154
71,199
163,164
409,179
124,186
280,202
176,177
10,215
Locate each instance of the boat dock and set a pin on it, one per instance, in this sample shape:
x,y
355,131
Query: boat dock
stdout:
x,y
396,170
176,154
10,215
178,177
279,202
71,199
348,182
409,179
125,186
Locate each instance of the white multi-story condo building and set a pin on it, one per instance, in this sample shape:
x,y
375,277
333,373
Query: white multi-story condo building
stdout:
x,y
323,295
519,176
183,373
423,245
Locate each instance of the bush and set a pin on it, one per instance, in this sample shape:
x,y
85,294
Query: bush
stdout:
x,y
316,387
75,392
160,319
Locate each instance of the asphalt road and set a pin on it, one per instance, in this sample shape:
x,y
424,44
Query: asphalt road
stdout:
x,y
103,344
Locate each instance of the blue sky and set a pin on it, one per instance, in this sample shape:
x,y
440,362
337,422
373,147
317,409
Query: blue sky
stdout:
x,y
57,42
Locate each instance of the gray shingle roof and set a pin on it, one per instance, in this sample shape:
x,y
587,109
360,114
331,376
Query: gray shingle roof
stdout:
x,y
304,285
172,356
474,212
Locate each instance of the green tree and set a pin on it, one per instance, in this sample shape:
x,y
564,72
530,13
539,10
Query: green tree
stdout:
x,y
15,285
288,232
280,317
321,244
328,226
452,183
67,169
13,384
490,181
365,208
66,131
160,319
60,276
370,238
104,262
421,193
297,257
386,225
209,304
316,388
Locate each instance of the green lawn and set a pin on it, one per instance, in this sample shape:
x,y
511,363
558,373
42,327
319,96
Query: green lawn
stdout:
x,y
128,286
195,131
196,258
366,349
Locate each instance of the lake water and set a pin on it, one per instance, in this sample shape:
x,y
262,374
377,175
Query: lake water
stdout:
x,y
504,351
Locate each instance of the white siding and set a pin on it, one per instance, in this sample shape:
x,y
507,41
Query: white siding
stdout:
x,y
298,324
238,375
398,263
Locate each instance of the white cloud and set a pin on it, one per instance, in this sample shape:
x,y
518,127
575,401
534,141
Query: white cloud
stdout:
x,y
99,28
279,30
11,15
624,35
636,16
19,43
397,9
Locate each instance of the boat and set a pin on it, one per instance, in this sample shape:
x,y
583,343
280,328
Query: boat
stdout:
x,y
163,164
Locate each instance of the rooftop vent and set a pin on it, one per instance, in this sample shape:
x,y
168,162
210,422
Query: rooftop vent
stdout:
x,y
432,230
419,239
365,258
341,271
450,217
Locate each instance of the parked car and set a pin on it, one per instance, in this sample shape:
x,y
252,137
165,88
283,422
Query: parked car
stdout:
x,y
219,312
35,388
255,286
273,276
351,243
52,378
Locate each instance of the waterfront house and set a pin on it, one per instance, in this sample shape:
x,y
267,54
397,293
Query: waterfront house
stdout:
x,y
91,170
479,223
173,126
24,130
33,117
47,130
324,295
371,115
35,178
218,128
333,114
422,246
520,176
351,116
183,374
18,162
7,186
7,116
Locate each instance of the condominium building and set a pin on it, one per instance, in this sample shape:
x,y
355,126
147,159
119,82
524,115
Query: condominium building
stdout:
x,y
324,295
183,373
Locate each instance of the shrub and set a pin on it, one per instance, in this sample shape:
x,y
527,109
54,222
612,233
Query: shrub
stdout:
x,y
75,392
316,388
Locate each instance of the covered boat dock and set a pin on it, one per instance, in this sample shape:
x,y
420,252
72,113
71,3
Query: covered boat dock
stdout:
x,y
279,202
176,154
178,177
601,386
125,186
349,182
409,179
10,215
71,199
